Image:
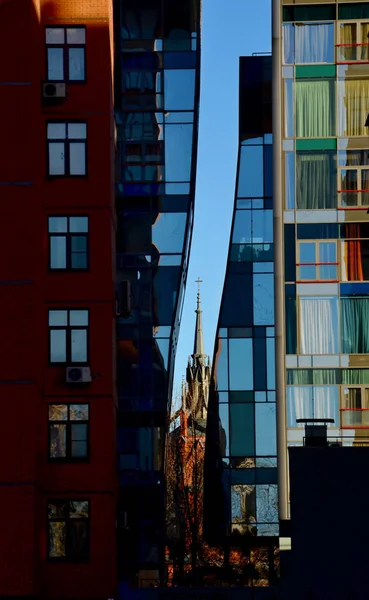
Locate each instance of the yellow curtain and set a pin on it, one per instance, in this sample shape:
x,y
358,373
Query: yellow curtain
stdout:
x,y
364,54
347,36
353,107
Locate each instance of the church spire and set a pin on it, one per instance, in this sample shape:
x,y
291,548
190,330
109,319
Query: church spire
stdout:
x,y
198,349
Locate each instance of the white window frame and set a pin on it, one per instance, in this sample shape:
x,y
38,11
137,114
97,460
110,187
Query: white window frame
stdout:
x,y
358,195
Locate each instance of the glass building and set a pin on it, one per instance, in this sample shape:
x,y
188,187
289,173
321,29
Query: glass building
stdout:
x,y
157,74
241,451
320,131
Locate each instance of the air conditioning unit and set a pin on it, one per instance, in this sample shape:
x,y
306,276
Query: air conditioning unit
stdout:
x,y
54,90
78,375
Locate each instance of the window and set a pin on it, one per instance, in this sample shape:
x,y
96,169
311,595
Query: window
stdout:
x,y
141,160
354,186
353,107
355,252
317,260
316,175
319,325
355,407
68,530
315,108
353,42
68,336
355,325
67,149
312,402
65,50
68,431
68,243
308,43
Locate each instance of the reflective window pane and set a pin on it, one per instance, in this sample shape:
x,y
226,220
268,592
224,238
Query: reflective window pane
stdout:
x,y
179,89
58,256
57,539
265,417
240,364
77,159
242,434
58,412
250,176
78,412
242,227
58,345
76,64
78,224
77,131
168,232
263,299
58,224
55,64
222,364
76,35
54,35
178,152
58,318
58,440
56,158
79,345
56,131
78,317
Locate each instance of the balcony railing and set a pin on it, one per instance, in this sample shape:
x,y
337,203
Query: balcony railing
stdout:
x,y
355,418
352,53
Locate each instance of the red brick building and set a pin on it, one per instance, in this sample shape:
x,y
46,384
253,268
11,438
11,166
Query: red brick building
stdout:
x,y
57,297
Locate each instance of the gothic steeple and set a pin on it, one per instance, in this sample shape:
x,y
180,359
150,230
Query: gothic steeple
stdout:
x,y
195,394
198,349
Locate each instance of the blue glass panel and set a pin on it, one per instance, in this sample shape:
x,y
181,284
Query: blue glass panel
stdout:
x,y
242,429
318,231
168,232
221,364
250,175
270,363
266,443
180,60
259,364
240,364
354,289
242,227
179,89
178,152
263,299
268,171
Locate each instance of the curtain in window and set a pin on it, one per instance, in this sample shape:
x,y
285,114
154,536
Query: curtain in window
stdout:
x,y
314,43
299,404
299,377
353,107
315,108
347,36
325,403
312,402
315,180
288,43
318,325
325,376
355,376
352,266
364,50
355,325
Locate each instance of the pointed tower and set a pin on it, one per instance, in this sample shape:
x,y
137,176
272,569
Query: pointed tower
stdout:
x,y
198,372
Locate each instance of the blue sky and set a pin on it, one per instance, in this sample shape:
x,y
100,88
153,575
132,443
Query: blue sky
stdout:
x,y
230,28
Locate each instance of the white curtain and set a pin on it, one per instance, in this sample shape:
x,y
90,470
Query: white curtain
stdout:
x,y
318,325
325,401
308,43
312,402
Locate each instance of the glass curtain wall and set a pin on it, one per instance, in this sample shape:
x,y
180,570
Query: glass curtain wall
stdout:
x,y
241,462
157,46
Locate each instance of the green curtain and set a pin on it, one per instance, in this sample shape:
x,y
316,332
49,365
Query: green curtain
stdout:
x,y
299,376
355,376
316,182
315,108
355,325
